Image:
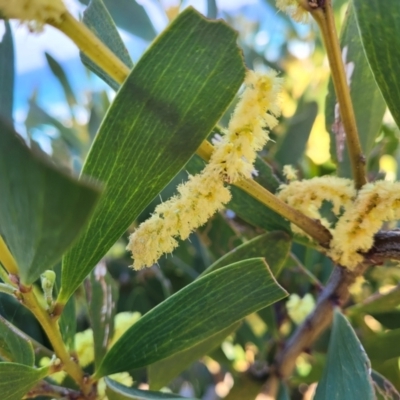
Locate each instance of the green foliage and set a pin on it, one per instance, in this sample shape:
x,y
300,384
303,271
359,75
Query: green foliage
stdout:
x,y
379,25
347,372
369,109
116,391
196,312
7,74
18,379
42,209
144,112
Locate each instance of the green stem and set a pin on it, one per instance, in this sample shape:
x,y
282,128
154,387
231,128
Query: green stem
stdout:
x,y
8,289
50,326
325,19
7,259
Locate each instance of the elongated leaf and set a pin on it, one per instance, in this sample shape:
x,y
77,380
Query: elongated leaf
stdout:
x,y
60,74
157,121
7,74
369,109
116,391
384,389
212,9
378,304
283,393
383,346
379,25
42,210
130,16
273,246
102,296
17,379
292,147
162,372
347,372
98,19
198,311
14,346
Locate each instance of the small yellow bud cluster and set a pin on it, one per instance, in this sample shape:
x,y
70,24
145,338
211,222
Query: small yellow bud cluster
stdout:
x,y
298,308
376,203
294,8
290,173
307,196
204,194
35,12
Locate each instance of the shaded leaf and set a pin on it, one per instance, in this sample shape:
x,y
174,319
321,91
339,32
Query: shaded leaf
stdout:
x,y
97,18
378,304
7,74
102,296
212,9
42,209
158,119
291,147
162,372
130,16
384,390
379,25
198,311
116,391
283,393
13,345
368,109
17,379
347,371
60,74
273,246
383,346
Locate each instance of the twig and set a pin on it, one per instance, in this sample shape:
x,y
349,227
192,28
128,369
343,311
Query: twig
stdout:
x,y
44,388
305,271
336,293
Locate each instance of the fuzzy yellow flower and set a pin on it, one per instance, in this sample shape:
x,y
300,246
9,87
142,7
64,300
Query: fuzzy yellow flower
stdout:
x,y
35,12
298,308
294,8
204,194
57,377
290,173
84,347
307,196
376,203
122,377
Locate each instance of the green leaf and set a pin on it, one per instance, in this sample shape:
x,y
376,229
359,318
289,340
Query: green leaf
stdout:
x,y
158,119
17,379
97,18
102,296
383,346
273,246
212,9
347,371
116,391
283,393
42,209
7,74
60,74
378,304
162,372
292,146
367,100
14,346
384,389
379,25
198,311
130,16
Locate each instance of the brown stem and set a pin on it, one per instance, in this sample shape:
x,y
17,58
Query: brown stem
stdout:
x,y
44,388
336,293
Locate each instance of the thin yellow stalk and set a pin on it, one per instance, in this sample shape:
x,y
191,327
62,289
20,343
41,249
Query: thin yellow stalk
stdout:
x,y
326,22
7,259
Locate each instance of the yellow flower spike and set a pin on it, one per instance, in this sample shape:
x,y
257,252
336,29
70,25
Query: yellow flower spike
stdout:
x,y
290,173
376,203
36,13
204,194
307,196
84,346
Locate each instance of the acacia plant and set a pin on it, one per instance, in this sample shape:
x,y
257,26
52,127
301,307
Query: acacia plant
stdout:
x,y
57,229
